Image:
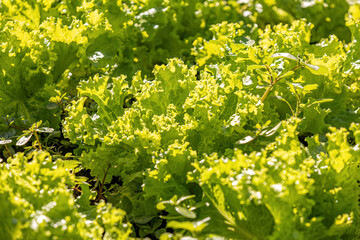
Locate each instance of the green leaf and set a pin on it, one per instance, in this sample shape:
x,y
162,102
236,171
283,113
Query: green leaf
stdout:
x,y
317,70
23,140
285,55
292,88
52,105
183,198
190,226
287,74
324,100
143,219
181,225
253,67
4,142
272,131
185,212
247,139
161,205
45,130
310,87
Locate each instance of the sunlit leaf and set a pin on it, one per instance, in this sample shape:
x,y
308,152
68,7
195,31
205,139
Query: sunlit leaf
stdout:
x,y
247,139
287,74
185,212
273,130
197,226
317,70
183,198
310,87
7,141
160,206
23,140
285,55
45,130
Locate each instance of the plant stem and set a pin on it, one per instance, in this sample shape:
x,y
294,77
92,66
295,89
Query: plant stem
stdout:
x,y
271,76
8,151
266,93
102,183
296,67
38,140
273,82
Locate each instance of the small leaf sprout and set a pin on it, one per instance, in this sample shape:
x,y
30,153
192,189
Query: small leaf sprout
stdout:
x,y
33,130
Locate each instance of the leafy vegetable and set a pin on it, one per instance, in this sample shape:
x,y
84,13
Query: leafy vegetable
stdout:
x,y
179,119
